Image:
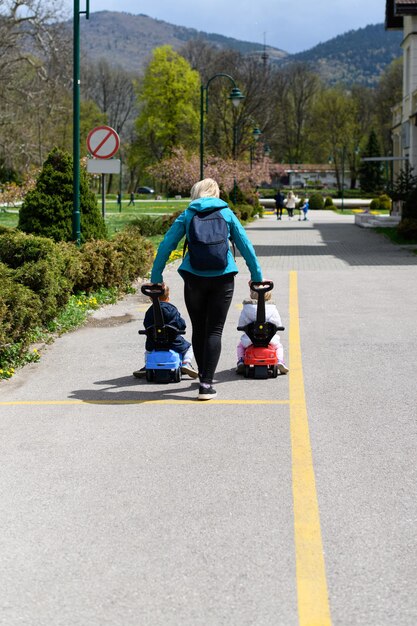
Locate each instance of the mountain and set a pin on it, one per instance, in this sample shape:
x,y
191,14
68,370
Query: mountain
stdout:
x,y
125,40
358,56
128,40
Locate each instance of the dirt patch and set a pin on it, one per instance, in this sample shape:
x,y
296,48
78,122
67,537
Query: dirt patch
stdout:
x,y
108,322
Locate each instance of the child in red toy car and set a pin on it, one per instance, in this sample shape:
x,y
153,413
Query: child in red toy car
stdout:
x,y
248,315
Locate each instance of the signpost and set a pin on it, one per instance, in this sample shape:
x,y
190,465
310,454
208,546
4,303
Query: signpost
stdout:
x,y
102,143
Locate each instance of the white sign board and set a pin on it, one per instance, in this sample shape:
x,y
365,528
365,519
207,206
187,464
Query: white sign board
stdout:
x,y
103,166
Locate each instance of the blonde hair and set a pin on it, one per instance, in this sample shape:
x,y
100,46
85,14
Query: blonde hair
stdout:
x,y
254,295
206,188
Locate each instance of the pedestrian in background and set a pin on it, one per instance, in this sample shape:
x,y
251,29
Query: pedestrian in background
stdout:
x,y
132,199
290,204
279,203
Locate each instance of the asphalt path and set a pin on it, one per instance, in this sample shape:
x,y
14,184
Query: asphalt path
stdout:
x,y
284,501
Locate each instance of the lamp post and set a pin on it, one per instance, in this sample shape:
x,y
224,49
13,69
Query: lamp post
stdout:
x,y
235,96
76,221
343,154
256,133
343,175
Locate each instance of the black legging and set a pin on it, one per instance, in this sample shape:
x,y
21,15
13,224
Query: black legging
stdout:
x,y
207,301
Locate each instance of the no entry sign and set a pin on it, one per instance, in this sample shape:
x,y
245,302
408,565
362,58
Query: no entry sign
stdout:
x,y
103,142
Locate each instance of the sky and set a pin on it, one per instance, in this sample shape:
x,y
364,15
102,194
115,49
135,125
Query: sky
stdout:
x,y
292,25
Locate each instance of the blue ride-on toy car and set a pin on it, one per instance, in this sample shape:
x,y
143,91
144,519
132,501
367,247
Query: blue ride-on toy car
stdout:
x,y
162,364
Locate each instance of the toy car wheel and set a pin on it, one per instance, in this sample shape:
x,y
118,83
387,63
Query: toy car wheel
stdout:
x,y
149,375
177,375
274,371
247,371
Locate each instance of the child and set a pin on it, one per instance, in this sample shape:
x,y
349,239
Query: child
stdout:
x,y
171,317
304,209
248,315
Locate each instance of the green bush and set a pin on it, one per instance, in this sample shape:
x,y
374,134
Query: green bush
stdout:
x,y
47,209
224,196
375,205
114,263
46,268
407,228
316,202
384,202
19,310
410,206
17,248
148,226
247,211
328,203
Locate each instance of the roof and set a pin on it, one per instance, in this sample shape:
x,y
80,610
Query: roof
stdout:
x,y
395,10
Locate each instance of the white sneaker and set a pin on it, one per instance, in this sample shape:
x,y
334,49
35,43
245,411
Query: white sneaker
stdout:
x,y
187,368
282,367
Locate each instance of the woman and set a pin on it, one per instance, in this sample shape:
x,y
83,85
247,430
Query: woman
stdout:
x,y
207,292
290,204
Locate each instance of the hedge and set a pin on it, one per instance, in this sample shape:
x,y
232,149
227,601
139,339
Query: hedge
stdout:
x,y
38,276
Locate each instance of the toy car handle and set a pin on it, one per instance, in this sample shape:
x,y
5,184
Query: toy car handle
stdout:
x,y
243,328
262,285
179,332
152,289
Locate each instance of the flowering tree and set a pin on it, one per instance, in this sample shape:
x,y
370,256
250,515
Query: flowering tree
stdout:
x,y
181,170
13,194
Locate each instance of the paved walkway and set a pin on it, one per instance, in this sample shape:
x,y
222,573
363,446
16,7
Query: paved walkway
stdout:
x,y
282,502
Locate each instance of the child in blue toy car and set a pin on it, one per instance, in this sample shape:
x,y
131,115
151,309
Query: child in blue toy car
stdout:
x,y
172,317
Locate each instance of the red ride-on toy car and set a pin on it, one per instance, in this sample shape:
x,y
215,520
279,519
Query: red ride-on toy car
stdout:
x,y
261,359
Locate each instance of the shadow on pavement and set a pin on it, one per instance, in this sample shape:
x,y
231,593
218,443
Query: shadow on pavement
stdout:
x,y
347,242
130,389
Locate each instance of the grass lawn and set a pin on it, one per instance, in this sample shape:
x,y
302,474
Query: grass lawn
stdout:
x,y
358,211
115,220
393,235
7,218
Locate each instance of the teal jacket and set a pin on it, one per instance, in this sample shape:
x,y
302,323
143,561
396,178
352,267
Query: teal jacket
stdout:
x,y
180,228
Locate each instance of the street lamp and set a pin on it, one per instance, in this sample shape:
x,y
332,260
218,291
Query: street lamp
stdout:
x,y
235,96
256,133
76,220
343,155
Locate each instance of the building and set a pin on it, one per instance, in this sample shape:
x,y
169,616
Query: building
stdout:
x,y
307,175
402,15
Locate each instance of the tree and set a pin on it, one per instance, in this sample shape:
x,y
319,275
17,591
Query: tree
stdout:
x,y
180,171
47,209
370,175
388,93
35,77
334,123
294,88
168,100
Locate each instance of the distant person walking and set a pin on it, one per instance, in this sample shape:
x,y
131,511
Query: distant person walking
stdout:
x,y
279,203
290,204
132,199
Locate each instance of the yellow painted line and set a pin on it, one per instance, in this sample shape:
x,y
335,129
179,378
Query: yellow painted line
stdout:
x,y
313,602
170,402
